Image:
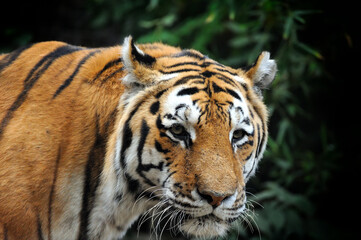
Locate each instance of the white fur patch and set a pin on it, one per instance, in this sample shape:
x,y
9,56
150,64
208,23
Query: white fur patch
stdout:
x,y
130,78
239,79
125,53
266,71
166,77
237,116
204,228
187,115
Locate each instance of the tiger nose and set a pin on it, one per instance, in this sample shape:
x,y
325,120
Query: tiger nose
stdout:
x,y
213,198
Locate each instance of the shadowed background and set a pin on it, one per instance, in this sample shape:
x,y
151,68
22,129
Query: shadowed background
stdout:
x,y
306,185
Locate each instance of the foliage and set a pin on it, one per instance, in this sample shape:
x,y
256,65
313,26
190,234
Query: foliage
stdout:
x,y
302,152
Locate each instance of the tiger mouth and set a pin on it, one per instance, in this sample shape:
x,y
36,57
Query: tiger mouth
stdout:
x,y
208,225
209,217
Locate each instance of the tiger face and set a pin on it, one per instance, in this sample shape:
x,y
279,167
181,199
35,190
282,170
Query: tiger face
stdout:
x,y
192,134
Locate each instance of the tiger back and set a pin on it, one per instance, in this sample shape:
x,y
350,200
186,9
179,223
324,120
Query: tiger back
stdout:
x,y
90,139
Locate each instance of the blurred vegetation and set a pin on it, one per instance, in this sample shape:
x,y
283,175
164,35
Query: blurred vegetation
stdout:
x,y
296,193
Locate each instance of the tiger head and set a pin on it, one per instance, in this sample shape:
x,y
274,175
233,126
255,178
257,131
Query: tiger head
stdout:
x,y
191,134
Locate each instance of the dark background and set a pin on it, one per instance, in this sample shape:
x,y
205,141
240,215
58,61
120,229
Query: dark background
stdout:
x,y
307,184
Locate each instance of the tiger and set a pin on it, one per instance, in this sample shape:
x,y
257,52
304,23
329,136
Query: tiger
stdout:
x,y
91,139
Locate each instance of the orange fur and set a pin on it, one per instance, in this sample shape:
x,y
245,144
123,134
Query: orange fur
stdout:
x,y
49,138
60,117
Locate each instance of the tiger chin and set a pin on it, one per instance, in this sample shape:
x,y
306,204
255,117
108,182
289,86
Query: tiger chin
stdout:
x,y
93,139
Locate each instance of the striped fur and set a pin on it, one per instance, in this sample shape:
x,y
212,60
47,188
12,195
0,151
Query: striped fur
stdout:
x,y
90,139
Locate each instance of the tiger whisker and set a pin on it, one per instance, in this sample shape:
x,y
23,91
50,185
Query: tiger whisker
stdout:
x,y
162,216
152,193
165,224
154,196
145,216
158,216
249,217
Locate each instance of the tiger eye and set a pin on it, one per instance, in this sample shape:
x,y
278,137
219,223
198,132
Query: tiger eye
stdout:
x,y
238,134
177,129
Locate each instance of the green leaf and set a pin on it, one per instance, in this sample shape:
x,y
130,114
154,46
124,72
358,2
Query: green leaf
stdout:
x,y
283,127
310,50
287,27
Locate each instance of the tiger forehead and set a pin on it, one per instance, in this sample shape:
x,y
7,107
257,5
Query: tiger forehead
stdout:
x,y
200,84
200,103
190,67
192,60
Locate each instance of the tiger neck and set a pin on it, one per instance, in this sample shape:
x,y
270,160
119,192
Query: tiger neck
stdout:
x,y
112,207
104,89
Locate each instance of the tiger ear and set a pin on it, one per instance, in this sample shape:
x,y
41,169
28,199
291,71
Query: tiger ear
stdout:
x,y
138,65
262,72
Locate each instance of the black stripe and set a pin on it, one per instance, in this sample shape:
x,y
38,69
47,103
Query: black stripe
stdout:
x,y
261,143
170,174
220,76
208,74
39,229
92,170
234,94
52,191
133,185
142,58
112,75
183,204
159,123
249,156
185,79
182,64
11,57
188,91
160,149
179,70
247,121
48,60
251,112
5,232
119,196
258,140
158,95
33,77
71,77
108,65
188,53
249,142
145,167
253,165
154,107
182,105
143,136
217,88
126,141
207,64
226,79
227,71
263,131
109,121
